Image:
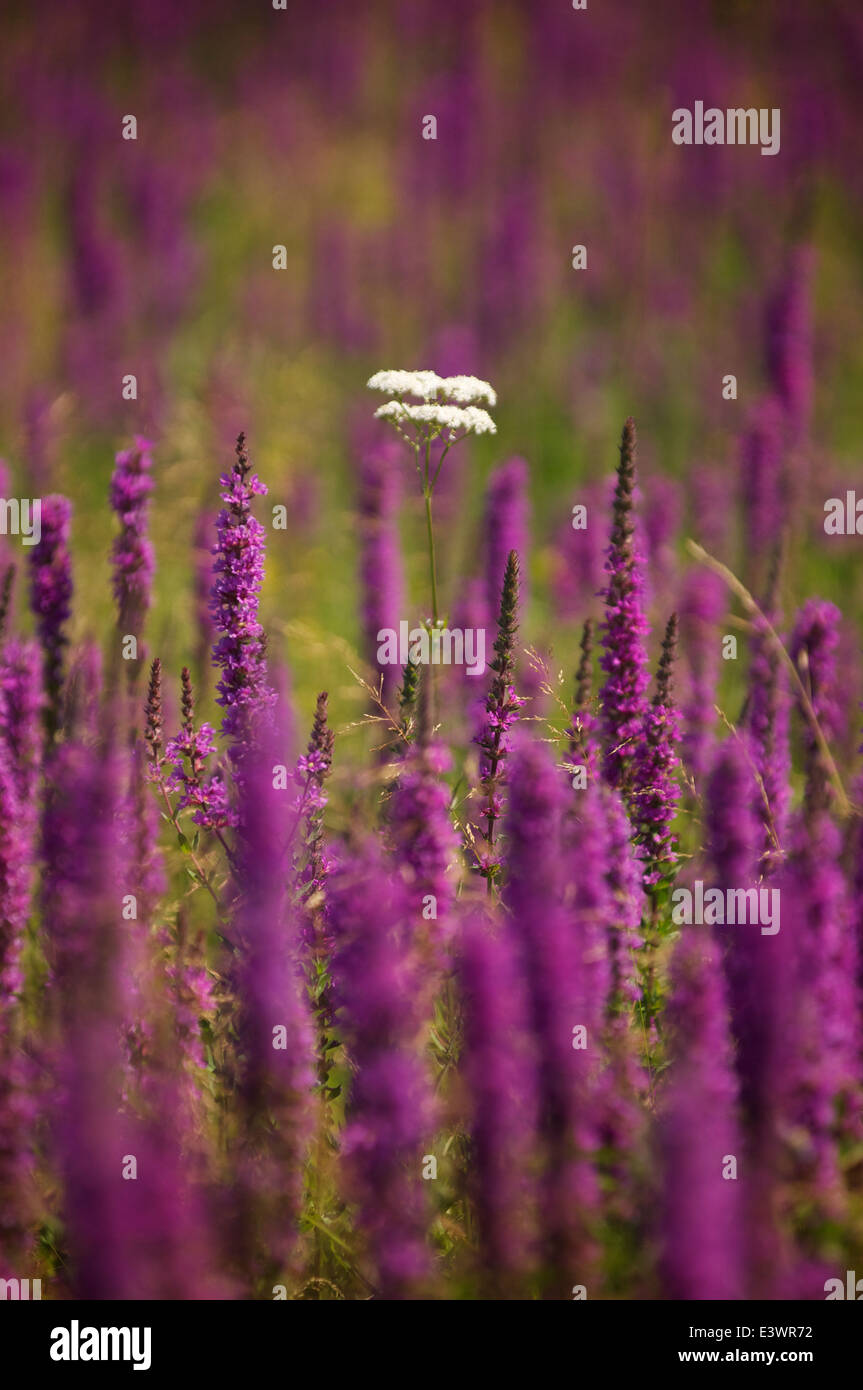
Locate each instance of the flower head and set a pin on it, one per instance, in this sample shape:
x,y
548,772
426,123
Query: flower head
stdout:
x,y
469,419
428,386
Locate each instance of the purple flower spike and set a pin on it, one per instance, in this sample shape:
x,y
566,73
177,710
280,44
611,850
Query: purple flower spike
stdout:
x,y
768,724
761,477
500,1073
624,629
381,577
501,712
760,985
132,556
389,1107
51,598
789,340
813,645
424,840
274,1027
698,1135
238,573
505,527
551,959
655,789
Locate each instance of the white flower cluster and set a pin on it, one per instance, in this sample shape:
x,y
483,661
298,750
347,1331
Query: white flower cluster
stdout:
x,y
466,419
467,390
425,386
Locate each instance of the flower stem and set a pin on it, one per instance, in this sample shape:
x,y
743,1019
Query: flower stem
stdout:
x,y
427,494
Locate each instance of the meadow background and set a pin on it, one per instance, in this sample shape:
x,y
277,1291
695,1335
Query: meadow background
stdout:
x,y
303,127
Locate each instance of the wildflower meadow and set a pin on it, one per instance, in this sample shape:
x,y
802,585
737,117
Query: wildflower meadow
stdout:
x,y
431,855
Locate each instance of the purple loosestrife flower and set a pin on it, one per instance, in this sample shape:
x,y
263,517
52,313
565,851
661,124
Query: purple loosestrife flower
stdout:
x,y
21,700
761,464
50,599
6,597
501,712
584,841
701,609
207,799
698,1135
582,729
389,1110
83,694
624,1084
603,937
274,1029
81,912
767,723
132,555
624,876
813,645
624,629
789,341
655,789
825,1062
409,708
551,960
310,774
505,527
314,768
20,748
15,874
425,843
753,960
163,1215
760,985
238,573
499,1069
381,577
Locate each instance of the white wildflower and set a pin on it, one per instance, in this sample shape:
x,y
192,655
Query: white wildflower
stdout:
x,y
423,385
465,390
457,419
426,386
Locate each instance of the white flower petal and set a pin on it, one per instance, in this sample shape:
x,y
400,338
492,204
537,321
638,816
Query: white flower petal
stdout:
x,y
423,385
467,389
458,419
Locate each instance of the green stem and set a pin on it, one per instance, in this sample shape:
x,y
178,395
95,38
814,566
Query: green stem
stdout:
x,y
427,494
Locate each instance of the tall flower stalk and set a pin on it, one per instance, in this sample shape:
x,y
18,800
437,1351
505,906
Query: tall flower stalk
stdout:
x,y
132,554
624,628
238,573
501,711
447,415
50,600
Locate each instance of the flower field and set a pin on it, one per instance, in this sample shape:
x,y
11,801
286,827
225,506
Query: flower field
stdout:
x,y
430,679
